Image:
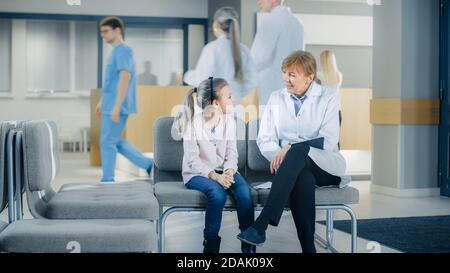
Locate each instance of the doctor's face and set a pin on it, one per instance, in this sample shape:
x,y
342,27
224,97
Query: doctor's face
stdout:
x,y
265,5
226,100
296,81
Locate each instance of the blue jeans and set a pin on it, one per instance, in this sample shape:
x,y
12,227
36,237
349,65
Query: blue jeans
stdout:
x,y
217,196
111,142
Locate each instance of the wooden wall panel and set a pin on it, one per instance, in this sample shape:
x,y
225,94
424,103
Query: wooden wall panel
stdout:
x,y
396,111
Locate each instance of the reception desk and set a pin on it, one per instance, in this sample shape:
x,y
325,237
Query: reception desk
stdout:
x,y
156,101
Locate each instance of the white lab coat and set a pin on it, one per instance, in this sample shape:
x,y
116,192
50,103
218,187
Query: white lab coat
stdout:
x,y
318,117
216,60
278,34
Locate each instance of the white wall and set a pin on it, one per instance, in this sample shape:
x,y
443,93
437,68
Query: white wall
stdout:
x,y
159,8
19,106
195,44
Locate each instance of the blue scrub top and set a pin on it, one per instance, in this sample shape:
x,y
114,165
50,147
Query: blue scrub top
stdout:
x,y
121,58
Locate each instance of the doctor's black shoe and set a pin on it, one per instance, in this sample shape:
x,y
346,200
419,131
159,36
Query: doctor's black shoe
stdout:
x,y
248,248
252,236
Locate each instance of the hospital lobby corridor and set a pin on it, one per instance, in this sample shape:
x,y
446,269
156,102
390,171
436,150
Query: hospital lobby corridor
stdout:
x,y
184,229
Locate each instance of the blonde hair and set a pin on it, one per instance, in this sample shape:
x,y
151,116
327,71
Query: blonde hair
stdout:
x,y
330,72
301,61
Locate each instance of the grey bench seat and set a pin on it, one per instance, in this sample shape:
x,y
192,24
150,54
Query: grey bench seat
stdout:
x,y
76,201
324,196
3,225
44,235
118,201
175,194
54,236
168,154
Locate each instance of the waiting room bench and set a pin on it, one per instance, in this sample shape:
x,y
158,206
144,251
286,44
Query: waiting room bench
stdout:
x,y
172,194
55,235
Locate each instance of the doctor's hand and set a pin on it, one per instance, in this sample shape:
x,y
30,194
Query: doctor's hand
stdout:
x,y
279,157
115,114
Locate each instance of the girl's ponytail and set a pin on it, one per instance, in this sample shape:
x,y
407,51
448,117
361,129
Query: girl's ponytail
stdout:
x,y
186,115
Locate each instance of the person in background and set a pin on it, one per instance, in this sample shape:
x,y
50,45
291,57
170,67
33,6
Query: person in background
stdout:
x,y
147,77
118,101
278,34
226,57
210,158
329,74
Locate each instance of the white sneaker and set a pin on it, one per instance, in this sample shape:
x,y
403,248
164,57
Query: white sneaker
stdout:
x,y
345,181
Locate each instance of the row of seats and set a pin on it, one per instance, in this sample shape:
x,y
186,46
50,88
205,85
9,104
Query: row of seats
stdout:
x,y
79,217
173,195
121,217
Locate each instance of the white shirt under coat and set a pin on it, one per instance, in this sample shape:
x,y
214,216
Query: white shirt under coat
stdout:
x,y
279,33
216,60
318,117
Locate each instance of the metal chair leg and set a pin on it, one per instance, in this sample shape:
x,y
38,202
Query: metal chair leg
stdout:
x,y
328,242
329,227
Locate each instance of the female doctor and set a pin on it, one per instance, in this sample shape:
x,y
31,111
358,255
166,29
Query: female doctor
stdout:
x,y
302,111
226,57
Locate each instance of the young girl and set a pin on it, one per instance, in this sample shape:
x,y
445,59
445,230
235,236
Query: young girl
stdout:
x,y
210,158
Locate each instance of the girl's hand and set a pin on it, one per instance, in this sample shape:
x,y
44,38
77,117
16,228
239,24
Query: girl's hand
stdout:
x,y
279,157
230,172
223,179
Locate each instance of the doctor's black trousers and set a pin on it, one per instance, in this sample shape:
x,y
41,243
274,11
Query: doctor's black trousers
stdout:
x,y
294,185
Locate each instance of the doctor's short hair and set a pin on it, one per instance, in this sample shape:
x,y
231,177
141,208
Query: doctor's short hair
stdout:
x,y
301,61
113,22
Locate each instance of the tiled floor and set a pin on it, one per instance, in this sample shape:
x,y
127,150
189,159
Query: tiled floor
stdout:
x,y
184,230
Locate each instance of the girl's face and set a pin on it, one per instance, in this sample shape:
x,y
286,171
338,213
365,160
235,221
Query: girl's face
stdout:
x,y
296,81
225,101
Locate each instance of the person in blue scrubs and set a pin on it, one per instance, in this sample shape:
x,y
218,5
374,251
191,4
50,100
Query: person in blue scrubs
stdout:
x,y
118,101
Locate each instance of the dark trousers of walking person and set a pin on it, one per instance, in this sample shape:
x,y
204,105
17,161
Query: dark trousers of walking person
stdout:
x,y
295,182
